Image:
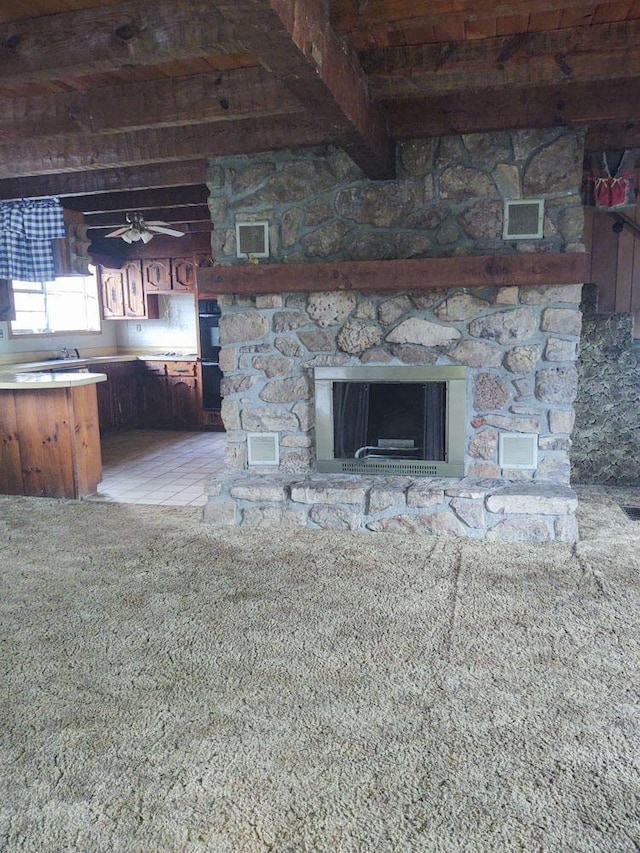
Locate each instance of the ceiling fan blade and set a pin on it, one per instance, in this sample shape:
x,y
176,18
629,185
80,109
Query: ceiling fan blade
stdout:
x,y
118,232
162,229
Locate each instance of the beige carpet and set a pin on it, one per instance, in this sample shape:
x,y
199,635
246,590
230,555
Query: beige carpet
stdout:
x,y
166,687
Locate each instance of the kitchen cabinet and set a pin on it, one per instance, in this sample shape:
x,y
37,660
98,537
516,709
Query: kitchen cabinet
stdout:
x,y
184,394
49,436
183,275
112,292
156,275
118,396
153,409
169,275
170,395
123,296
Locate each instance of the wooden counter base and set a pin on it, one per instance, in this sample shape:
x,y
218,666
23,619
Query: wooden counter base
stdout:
x,y
50,441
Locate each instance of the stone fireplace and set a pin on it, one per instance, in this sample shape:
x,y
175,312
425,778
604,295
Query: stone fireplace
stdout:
x,y
512,348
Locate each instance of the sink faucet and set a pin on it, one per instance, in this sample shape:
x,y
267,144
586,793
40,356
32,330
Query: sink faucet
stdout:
x,y
65,352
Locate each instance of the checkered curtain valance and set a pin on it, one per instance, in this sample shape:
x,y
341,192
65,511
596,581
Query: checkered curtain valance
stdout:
x,y
27,228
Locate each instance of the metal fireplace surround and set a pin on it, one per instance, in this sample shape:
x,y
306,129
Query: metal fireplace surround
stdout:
x,y
387,458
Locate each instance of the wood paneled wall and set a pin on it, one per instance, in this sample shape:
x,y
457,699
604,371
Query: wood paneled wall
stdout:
x,y
615,260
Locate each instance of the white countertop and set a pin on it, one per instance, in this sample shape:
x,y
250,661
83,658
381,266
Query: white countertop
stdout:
x,y
41,381
52,364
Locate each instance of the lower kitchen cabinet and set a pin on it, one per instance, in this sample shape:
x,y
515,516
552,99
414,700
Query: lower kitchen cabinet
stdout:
x,y
118,396
50,441
170,395
152,395
153,400
185,402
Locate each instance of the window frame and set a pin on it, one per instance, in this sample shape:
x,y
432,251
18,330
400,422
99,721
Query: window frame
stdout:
x,y
40,289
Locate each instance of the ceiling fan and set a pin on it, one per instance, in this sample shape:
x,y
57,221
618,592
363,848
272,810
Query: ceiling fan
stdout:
x,y
137,229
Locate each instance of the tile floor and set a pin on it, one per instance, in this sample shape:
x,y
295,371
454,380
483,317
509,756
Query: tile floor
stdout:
x,y
159,466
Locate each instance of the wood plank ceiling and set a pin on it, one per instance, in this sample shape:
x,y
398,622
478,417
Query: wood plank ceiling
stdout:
x,y
116,106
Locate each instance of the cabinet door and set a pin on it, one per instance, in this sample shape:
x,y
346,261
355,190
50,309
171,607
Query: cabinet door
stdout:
x,y
125,402
183,275
133,293
112,291
156,274
185,407
105,409
155,411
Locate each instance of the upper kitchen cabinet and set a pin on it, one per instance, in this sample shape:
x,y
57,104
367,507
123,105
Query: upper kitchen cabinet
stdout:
x,y
156,274
183,275
123,296
169,275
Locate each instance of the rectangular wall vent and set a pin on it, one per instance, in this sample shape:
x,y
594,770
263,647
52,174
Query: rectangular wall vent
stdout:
x,y
518,450
523,220
252,239
263,448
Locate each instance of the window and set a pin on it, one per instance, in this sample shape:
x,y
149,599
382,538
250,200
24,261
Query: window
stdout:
x,y
68,304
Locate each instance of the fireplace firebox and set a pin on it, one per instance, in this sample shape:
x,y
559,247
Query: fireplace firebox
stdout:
x,y
398,419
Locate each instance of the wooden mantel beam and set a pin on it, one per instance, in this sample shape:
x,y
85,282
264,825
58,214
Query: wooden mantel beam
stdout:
x,y
410,274
293,39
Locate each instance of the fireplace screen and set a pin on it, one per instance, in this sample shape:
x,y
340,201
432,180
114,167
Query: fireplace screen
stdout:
x,y
384,419
391,420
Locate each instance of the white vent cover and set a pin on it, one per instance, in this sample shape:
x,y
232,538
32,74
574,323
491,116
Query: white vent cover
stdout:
x,y
518,450
263,448
252,239
523,220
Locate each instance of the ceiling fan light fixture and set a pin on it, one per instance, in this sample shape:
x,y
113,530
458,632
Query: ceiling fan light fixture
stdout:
x,y
137,229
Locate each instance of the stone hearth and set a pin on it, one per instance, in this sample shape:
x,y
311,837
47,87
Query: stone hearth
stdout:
x,y
478,509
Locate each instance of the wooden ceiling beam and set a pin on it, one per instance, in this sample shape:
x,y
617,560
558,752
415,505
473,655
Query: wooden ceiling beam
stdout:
x,y
177,197
167,102
355,17
604,52
151,176
488,110
294,40
109,38
203,226
111,219
112,252
137,148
